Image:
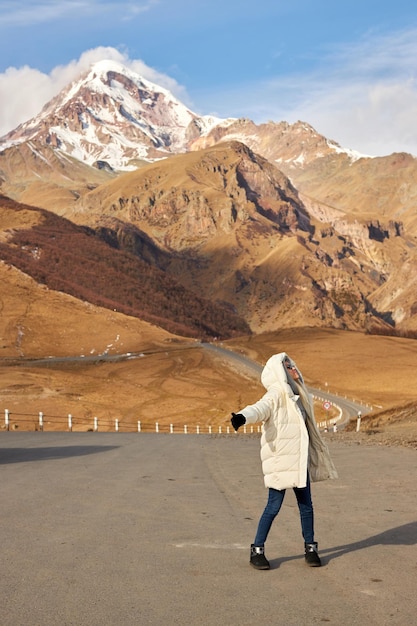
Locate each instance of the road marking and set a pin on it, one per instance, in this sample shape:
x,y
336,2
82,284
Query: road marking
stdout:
x,y
212,546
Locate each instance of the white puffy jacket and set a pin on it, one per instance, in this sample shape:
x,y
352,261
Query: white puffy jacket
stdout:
x,y
289,444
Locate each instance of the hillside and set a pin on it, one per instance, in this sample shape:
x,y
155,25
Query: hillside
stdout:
x,y
38,175
72,259
39,322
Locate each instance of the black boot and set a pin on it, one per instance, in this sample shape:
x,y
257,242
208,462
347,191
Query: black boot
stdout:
x,y
258,559
311,555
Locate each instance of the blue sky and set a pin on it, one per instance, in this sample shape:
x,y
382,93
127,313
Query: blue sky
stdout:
x,y
347,68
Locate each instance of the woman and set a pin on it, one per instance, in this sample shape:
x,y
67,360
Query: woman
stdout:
x,y
292,451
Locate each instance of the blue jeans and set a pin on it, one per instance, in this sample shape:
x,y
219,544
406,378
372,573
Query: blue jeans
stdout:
x,y
275,500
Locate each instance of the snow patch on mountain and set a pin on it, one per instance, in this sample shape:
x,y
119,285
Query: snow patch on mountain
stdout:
x,y
352,154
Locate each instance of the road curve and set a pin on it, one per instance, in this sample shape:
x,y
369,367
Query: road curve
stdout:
x,y
349,408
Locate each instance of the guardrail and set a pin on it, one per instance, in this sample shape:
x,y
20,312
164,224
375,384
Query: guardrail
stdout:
x,y
58,423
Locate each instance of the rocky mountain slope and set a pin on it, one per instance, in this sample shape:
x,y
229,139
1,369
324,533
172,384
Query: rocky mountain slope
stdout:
x,y
273,221
336,182
228,224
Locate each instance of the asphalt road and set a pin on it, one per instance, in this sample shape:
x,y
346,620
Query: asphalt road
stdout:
x,y
122,529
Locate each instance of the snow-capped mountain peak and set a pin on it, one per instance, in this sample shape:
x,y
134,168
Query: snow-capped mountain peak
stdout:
x,y
113,114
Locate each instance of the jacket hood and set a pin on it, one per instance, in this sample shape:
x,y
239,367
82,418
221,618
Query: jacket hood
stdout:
x,y
275,371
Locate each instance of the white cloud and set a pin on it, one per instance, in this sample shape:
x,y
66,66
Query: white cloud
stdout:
x,y
24,91
365,96
376,119
22,94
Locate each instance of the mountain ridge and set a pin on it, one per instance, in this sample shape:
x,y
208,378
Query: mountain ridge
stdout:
x,y
232,225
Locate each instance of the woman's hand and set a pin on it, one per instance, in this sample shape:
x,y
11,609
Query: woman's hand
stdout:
x,y
238,420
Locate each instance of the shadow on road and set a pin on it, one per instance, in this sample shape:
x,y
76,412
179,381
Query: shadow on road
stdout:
x,y
23,455
405,535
